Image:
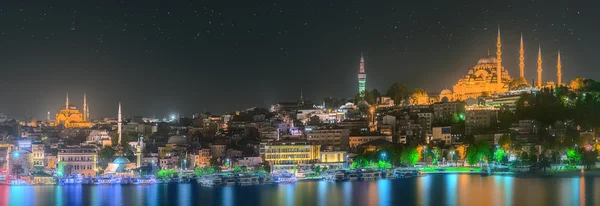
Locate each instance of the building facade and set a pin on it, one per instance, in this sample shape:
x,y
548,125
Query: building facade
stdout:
x,y
78,160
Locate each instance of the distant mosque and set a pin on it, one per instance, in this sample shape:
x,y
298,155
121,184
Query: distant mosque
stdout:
x,y
489,76
70,117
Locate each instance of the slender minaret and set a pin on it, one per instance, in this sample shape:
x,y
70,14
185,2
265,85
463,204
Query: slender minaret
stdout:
x,y
138,153
87,108
499,60
362,77
558,72
522,59
119,124
539,69
67,102
84,108
301,97
48,117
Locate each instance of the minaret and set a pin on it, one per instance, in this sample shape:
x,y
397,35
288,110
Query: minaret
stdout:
x,y
301,97
67,102
119,124
48,117
499,60
558,72
84,108
138,153
362,77
522,59
539,69
87,108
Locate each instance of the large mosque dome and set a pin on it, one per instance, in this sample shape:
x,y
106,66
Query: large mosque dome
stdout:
x,y
487,60
121,160
177,140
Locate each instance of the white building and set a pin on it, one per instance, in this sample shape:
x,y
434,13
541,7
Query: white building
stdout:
x,y
336,138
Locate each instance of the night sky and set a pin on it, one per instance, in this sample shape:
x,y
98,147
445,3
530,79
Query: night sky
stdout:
x,y
161,57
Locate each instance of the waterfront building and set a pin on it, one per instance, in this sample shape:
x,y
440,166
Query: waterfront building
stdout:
x,y
287,154
38,155
249,161
70,117
361,138
334,159
337,138
201,157
480,117
78,160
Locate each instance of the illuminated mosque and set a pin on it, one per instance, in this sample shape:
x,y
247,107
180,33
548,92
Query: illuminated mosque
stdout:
x,y
489,76
70,117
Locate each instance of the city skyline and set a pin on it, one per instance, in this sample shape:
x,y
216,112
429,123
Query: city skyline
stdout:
x,y
151,58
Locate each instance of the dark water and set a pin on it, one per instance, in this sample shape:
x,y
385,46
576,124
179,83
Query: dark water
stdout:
x,y
429,190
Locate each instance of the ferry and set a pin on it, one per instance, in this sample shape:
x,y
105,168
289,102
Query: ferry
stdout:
x,y
267,179
351,176
336,176
19,183
403,173
229,181
389,174
245,180
148,180
368,174
285,177
211,180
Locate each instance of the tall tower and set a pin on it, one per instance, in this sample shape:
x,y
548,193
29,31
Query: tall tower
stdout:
x,y
539,69
138,153
48,117
362,77
499,60
558,72
119,124
87,109
67,102
84,108
521,59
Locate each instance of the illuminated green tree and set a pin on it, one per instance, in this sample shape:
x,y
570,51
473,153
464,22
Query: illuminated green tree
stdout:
x,y
499,155
573,156
410,156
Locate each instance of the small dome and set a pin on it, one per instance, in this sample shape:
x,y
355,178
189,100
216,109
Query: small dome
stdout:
x,y
121,160
177,140
446,92
487,60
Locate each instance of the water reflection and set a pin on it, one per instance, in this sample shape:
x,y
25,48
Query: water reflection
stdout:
x,y
429,190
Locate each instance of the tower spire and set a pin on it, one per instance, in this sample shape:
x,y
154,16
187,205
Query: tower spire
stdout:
x,y
67,102
521,59
84,108
301,96
558,73
539,69
119,124
362,77
499,60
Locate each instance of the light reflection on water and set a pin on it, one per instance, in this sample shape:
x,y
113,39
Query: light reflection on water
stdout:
x,y
428,190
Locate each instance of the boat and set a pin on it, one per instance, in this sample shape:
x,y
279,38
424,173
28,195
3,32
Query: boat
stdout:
x,y
245,180
211,180
351,176
146,180
335,176
267,179
404,173
229,181
19,183
284,177
184,180
389,174
368,174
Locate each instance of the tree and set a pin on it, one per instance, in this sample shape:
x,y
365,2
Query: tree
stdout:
x,y
237,169
107,154
203,171
398,92
419,97
505,142
410,156
376,95
435,154
499,155
524,157
573,156
384,164
419,150
318,169
461,151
